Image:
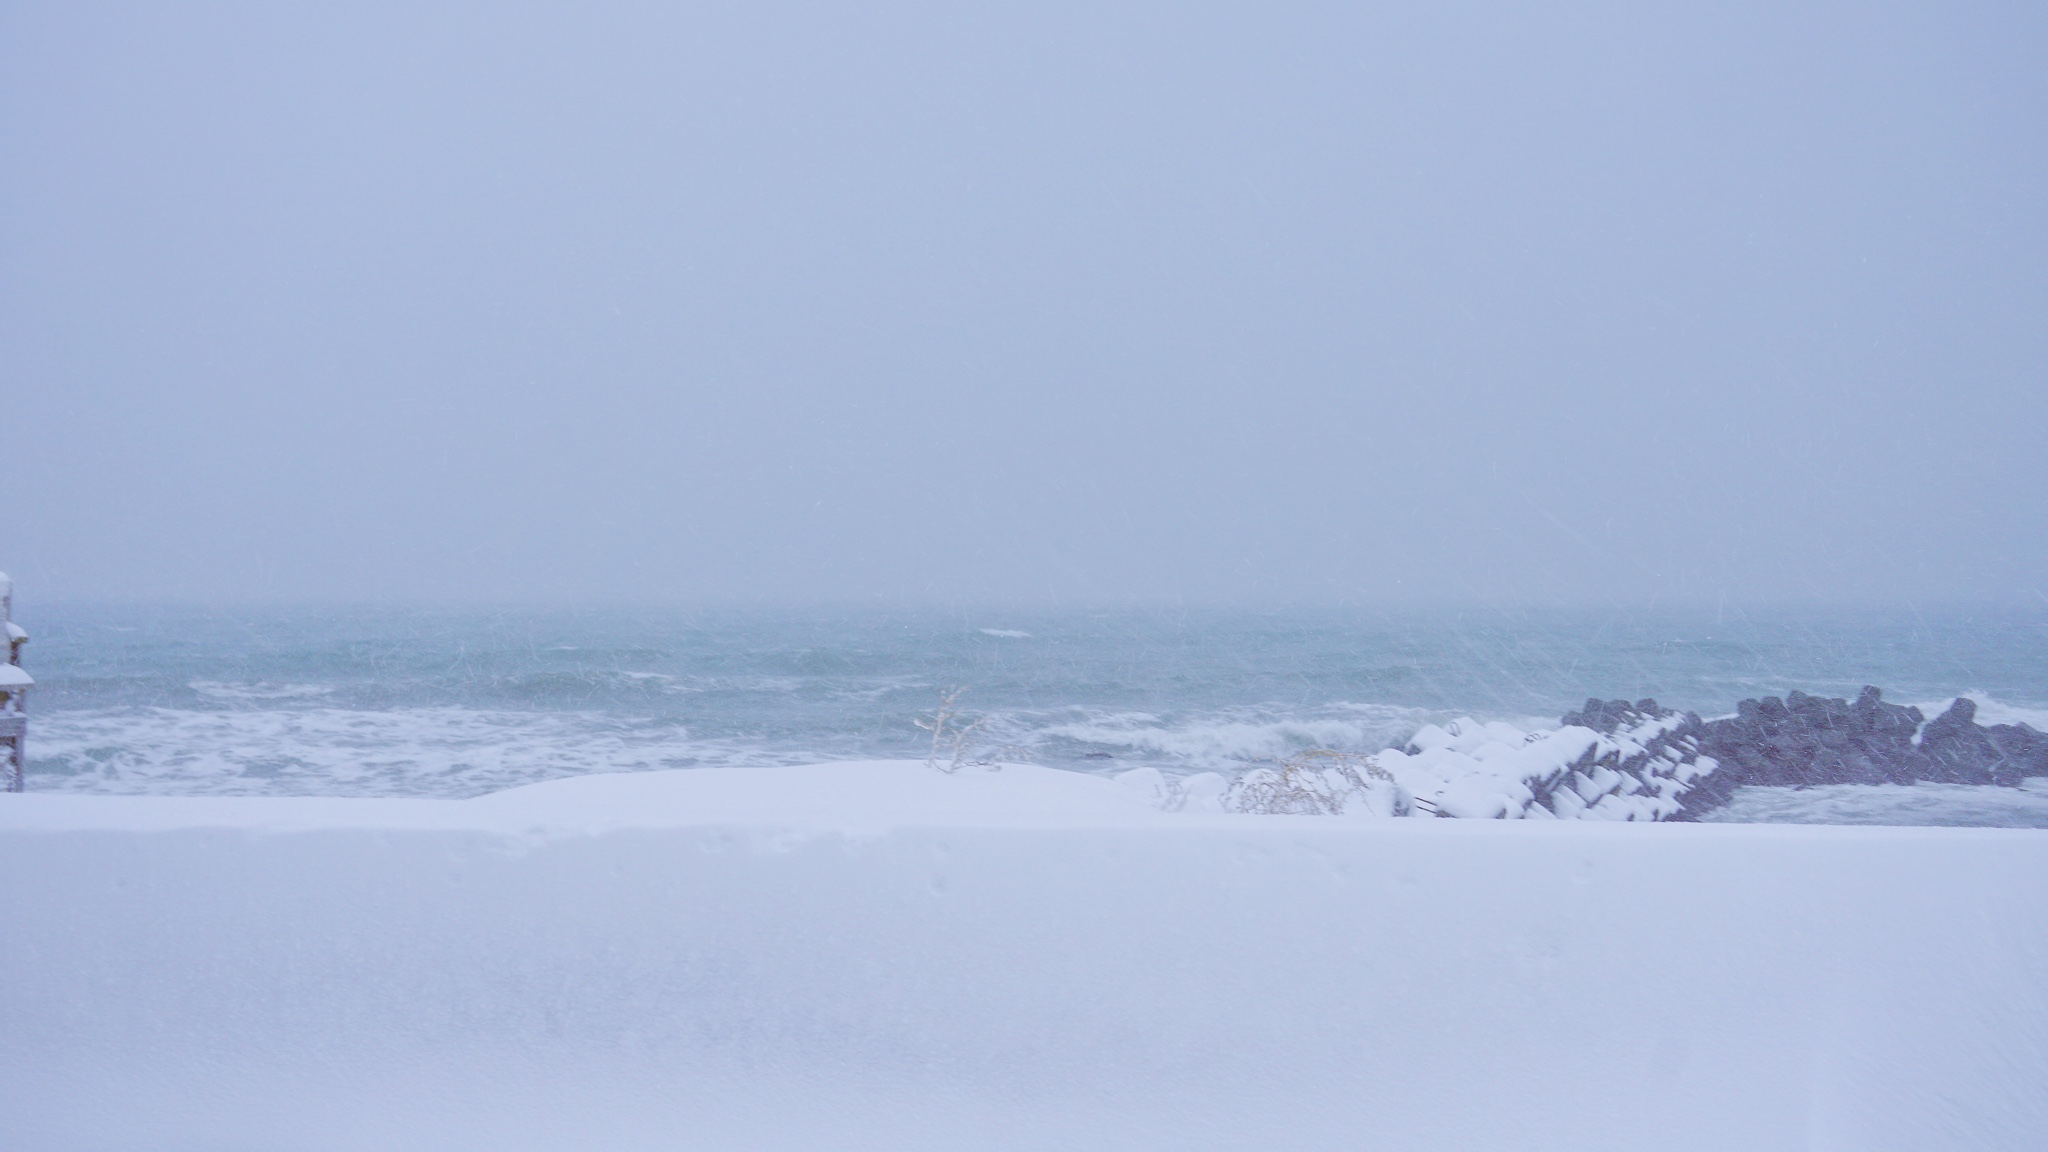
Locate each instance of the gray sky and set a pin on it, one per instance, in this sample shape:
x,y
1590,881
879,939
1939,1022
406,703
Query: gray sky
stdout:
x,y
1096,302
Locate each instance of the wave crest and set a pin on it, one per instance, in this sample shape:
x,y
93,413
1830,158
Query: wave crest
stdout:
x,y
444,752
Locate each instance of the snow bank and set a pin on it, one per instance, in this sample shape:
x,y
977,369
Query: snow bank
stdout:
x,y
880,956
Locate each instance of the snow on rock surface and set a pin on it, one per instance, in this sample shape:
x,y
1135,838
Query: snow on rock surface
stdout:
x,y
1611,762
879,956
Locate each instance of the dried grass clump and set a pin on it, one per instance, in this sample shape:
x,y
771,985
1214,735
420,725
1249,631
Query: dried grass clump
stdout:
x,y
1318,782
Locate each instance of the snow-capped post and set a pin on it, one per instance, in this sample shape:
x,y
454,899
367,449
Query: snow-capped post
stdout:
x,y
14,686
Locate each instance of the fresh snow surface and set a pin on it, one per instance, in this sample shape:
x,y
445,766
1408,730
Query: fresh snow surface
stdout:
x,y
883,956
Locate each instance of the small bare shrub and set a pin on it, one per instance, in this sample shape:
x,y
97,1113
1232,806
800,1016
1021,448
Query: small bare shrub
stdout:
x,y
1318,782
954,744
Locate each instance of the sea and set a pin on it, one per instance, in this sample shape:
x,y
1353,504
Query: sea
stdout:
x,y
442,702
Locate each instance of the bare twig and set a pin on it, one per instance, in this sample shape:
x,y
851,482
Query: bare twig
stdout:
x,y
948,699
953,742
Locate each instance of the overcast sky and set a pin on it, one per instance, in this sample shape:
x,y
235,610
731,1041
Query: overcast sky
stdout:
x,y
1265,302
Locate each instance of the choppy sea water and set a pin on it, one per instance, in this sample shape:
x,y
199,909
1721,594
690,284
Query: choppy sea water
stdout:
x,y
416,702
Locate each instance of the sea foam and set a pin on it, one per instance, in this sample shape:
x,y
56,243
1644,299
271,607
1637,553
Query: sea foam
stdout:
x,y
325,751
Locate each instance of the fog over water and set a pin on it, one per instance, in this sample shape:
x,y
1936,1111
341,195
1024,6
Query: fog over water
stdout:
x,y
778,303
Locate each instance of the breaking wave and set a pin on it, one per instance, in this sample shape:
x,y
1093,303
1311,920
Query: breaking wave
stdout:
x,y
445,752
1989,711
219,690
1219,739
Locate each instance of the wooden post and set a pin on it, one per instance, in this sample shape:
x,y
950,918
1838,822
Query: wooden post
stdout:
x,y
14,686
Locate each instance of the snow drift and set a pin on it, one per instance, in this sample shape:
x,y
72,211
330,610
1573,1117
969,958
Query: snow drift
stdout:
x,y
881,956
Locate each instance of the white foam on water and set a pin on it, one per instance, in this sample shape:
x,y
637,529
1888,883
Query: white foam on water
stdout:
x,y
1225,738
1990,711
259,690
778,685
1007,633
869,688
443,751
660,682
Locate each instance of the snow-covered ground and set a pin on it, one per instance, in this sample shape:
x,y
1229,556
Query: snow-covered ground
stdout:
x,y
883,956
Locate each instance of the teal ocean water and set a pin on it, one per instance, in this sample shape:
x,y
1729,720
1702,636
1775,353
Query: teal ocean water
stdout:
x,y
417,702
